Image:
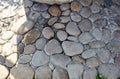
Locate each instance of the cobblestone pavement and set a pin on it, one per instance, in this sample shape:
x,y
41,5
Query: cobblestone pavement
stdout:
x,y
76,40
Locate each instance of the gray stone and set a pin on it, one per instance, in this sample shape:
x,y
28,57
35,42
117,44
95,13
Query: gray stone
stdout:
x,y
64,19
103,55
34,15
92,62
95,8
52,20
24,59
40,58
28,3
85,12
72,29
53,47
90,73
97,33
86,2
75,71
109,71
59,26
64,7
4,72
43,72
94,17
21,71
48,32
72,48
75,17
40,43
73,38
60,60
46,15
62,35
116,35
29,49
60,73
85,38
66,13
97,44
85,25
78,59
89,53
2,59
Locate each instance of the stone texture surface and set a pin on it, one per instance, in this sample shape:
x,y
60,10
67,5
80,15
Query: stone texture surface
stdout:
x,y
29,49
62,35
75,6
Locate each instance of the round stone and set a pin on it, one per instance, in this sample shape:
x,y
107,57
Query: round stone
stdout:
x,y
7,35
72,48
52,21
116,35
72,29
73,38
53,47
62,35
45,15
75,17
24,59
54,10
64,19
34,15
29,49
97,33
85,12
3,72
64,7
95,8
59,26
92,62
96,44
85,25
40,58
66,13
78,59
48,32
75,6
86,2
95,16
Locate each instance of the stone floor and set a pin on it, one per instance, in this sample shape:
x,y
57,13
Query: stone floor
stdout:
x,y
76,40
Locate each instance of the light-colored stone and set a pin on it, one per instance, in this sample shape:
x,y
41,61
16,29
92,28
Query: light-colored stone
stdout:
x,y
43,72
60,60
40,43
66,13
75,17
97,44
4,72
95,7
97,33
78,59
73,38
92,62
85,38
90,73
89,53
109,71
53,47
72,48
29,49
45,15
64,19
85,12
103,55
2,41
85,25
11,60
95,16
48,32
31,36
28,3
40,58
24,59
54,10
64,7
75,6
86,2
60,73
62,35
21,71
72,29
59,26
75,71
7,35
52,20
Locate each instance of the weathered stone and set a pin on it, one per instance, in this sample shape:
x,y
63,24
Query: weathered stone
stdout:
x,y
60,73
86,2
96,44
48,32
64,19
66,13
75,17
40,58
85,38
117,60
92,62
29,49
85,25
72,29
95,8
85,12
7,35
72,48
2,59
31,36
62,35
54,10
75,6
89,53
97,33
11,60
28,3
73,38
109,71
21,71
94,17
53,47
45,15
75,71
59,26
64,7
60,60
90,73
20,48
43,72
40,43
52,21
78,59
34,15
116,35
24,59
4,72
